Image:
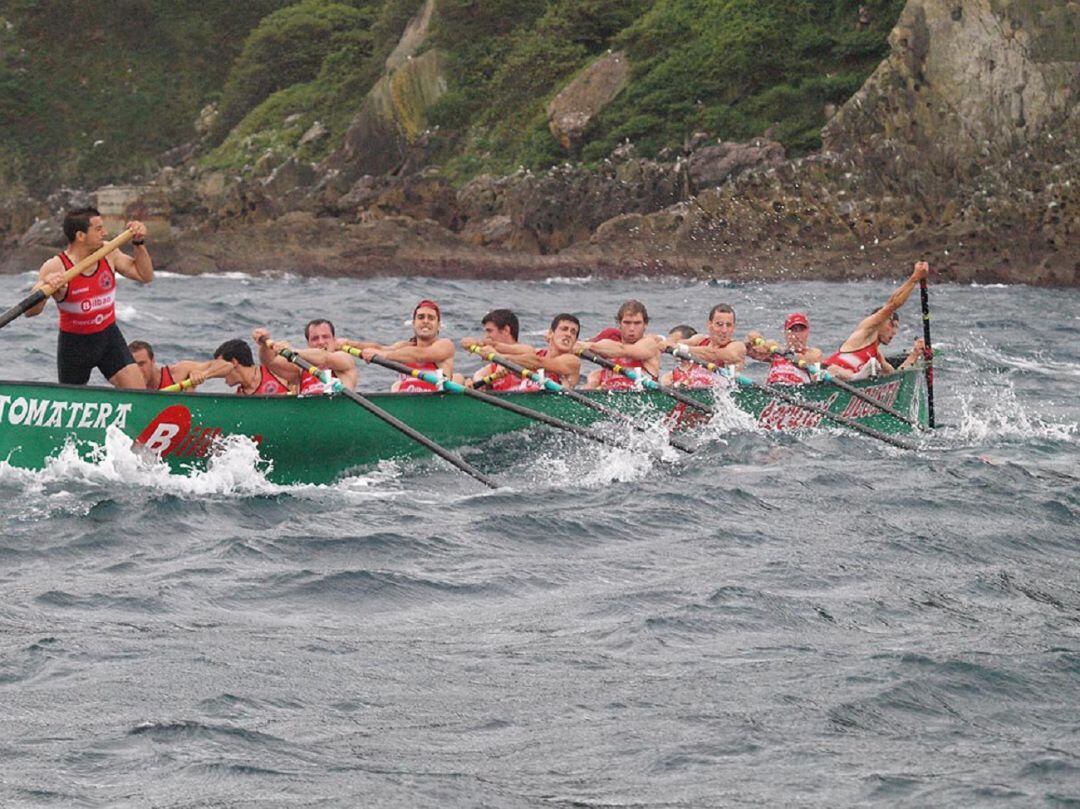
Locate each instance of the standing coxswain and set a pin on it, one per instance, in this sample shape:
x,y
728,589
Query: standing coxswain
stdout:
x,y
89,337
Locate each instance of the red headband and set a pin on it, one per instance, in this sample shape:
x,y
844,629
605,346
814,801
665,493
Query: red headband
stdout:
x,y
429,305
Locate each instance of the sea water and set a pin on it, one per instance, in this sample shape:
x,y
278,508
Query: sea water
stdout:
x,y
810,620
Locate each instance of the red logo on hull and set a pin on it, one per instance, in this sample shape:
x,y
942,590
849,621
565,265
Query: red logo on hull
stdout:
x,y
171,433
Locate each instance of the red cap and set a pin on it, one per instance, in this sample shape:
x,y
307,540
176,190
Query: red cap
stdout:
x,y
429,305
796,319
610,333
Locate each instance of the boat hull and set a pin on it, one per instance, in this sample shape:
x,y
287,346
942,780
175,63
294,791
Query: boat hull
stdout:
x,y
319,439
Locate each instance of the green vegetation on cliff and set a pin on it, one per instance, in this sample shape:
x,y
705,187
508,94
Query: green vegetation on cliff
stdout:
x,y
90,95
91,92
731,68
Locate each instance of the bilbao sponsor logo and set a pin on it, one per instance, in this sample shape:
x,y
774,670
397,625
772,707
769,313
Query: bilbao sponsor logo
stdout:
x,y
29,411
171,432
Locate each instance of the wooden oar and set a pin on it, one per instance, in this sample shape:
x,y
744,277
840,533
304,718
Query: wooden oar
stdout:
x,y
569,393
825,376
455,387
40,294
813,407
645,381
335,384
928,351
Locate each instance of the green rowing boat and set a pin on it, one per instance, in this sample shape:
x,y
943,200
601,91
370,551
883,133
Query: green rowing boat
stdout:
x,y
319,439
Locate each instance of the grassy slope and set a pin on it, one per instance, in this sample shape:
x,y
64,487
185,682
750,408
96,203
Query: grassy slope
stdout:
x,y
134,74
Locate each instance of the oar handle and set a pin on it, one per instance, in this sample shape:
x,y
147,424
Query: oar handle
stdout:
x,y
177,387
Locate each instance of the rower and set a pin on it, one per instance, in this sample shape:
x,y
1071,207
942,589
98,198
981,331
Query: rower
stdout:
x,y
248,378
687,374
320,353
558,360
89,337
501,327
717,345
860,355
163,376
424,351
628,345
786,367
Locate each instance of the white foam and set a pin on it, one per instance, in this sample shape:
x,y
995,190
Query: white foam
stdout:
x,y
563,280
991,410
234,469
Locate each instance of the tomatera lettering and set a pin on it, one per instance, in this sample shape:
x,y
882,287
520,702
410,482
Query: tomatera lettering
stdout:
x,y
33,412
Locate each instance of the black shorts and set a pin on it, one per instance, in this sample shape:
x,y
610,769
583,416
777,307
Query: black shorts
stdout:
x,y
79,354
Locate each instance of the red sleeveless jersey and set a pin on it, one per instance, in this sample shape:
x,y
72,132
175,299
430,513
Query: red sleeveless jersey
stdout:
x,y
89,305
855,360
693,377
410,384
311,385
523,384
166,378
783,371
269,385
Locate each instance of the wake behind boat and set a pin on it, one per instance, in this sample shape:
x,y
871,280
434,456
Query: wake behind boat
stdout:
x,y
318,439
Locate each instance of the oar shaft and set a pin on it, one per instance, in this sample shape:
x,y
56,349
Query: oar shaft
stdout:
x,y
651,384
393,421
569,393
40,294
813,407
495,401
928,351
853,391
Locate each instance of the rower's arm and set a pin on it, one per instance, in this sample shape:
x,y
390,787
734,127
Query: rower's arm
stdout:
x,y
438,352
641,350
867,330
567,366
336,361
734,353
138,266
51,273
199,372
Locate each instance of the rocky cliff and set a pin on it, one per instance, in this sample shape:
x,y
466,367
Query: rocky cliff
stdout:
x,y
962,147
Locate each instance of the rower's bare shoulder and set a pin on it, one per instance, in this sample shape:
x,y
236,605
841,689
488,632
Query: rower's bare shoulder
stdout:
x,y
50,266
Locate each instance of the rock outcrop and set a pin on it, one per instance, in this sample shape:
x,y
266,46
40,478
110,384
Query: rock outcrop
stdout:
x,y
570,112
393,115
